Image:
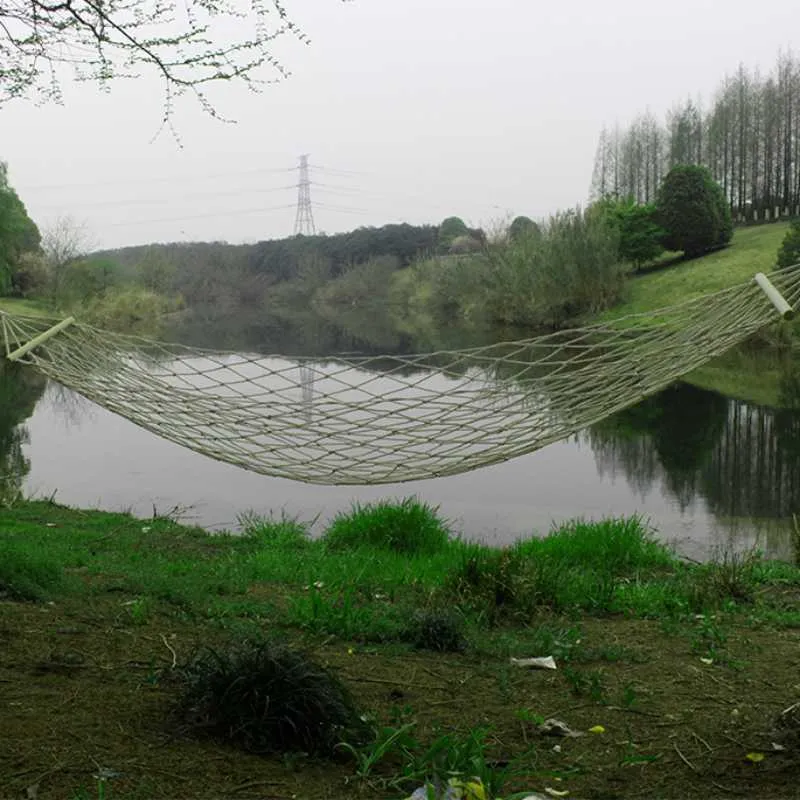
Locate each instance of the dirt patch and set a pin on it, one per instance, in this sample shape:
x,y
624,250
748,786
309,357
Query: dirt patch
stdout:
x,y
85,688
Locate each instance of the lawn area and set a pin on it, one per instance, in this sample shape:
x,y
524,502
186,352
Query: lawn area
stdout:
x,y
753,250
750,376
24,308
672,677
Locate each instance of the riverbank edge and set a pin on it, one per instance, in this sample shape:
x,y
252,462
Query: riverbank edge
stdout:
x,y
135,598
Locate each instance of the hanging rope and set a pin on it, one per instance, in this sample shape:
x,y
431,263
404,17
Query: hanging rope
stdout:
x,y
385,419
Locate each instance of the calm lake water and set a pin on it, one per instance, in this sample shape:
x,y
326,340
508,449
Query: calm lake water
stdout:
x,y
707,471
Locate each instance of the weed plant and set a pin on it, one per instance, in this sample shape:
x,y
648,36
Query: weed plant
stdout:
x,y
731,577
451,756
265,697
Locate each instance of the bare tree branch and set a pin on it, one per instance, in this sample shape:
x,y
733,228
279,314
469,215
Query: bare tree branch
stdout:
x,y
187,43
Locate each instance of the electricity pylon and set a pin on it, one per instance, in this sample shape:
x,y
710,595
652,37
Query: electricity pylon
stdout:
x,y
304,220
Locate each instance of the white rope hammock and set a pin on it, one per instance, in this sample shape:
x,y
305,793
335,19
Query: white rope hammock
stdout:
x,y
386,419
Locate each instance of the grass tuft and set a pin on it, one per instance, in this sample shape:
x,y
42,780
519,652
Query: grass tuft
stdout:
x,y
438,630
286,533
409,527
265,697
732,577
27,575
617,546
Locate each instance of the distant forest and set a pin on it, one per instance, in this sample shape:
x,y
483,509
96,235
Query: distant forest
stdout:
x,y
749,137
197,264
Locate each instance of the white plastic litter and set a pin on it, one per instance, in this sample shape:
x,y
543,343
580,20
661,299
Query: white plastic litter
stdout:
x,y
543,662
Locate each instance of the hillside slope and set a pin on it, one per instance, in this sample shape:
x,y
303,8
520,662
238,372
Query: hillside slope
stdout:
x,y
752,250
754,378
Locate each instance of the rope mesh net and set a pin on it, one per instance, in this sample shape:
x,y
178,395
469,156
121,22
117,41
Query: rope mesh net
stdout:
x,y
387,419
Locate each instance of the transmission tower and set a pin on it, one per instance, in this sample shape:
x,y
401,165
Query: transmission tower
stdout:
x,y
304,220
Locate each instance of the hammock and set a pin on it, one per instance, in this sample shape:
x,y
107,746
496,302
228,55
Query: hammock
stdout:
x,y
386,419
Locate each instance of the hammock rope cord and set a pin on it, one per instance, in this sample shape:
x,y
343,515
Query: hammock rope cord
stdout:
x,y
388,419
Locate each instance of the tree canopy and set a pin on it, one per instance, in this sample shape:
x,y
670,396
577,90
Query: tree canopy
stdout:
x,y
450,229
789,253
18,232
188,45
521,227
640,236
747,134
693,211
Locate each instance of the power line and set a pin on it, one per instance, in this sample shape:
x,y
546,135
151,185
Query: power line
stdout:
x,y
147,181
149,201
259,210
333,171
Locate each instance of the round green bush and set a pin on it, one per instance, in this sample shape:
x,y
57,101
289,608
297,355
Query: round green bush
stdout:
x,y
693,211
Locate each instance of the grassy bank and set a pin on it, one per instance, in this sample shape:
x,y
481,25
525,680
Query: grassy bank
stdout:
x,y
673,675
752,250
752,377
26,308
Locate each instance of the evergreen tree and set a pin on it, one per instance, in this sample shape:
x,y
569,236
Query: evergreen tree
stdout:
x,y
18,232
692,210
789,253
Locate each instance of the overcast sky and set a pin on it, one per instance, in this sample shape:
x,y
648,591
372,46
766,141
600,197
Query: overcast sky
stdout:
x,y
411,110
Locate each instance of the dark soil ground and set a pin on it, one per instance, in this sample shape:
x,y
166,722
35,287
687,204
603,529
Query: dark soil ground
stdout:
x,y
83,690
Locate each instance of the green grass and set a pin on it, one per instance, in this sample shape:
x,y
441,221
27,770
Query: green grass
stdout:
x,y
615,546
408,527
26,308
367,593
752,250
752,377
26,574
412,634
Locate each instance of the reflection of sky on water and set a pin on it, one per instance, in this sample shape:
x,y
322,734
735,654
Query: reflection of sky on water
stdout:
x,y
92,458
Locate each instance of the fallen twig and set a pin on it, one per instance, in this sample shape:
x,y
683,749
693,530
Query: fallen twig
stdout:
x,y
684,759
170,648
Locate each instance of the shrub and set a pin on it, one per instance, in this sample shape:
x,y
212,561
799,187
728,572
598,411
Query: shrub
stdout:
x,y
640,236
362,285
567,270
126,309
265,697
406,527
789,253
571,270
693,211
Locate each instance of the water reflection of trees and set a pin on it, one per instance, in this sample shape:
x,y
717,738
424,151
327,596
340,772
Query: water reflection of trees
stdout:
x,y
20,389
744,460
669,436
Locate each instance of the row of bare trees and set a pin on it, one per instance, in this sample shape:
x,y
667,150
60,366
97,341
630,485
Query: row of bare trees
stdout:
x,y
749,138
